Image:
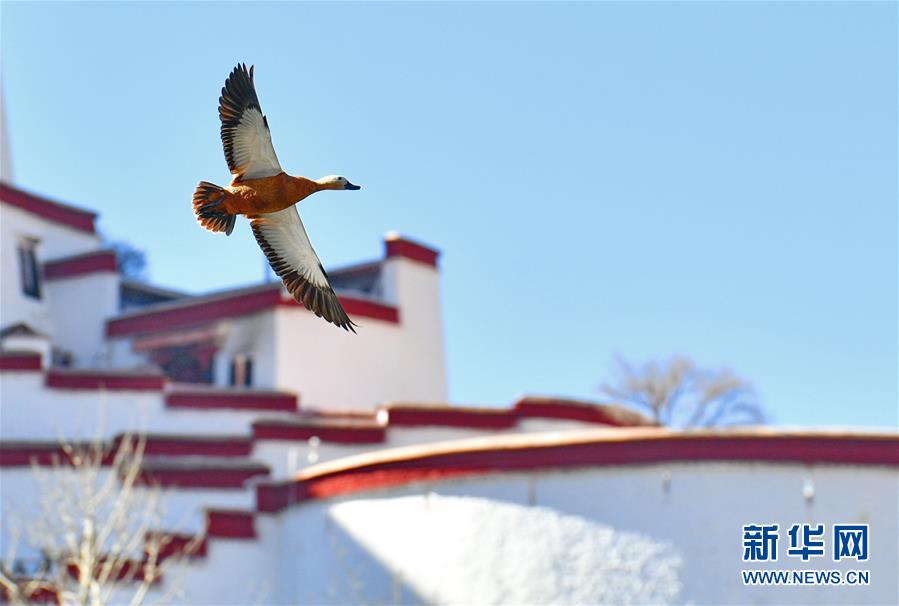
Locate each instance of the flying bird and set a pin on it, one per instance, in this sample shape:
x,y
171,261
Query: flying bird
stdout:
x,y
261,191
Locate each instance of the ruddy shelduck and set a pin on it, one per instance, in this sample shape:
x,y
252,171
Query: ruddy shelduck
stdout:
x,y
267,196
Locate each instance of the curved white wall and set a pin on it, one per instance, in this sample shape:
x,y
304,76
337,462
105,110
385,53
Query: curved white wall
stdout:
x,y
621,534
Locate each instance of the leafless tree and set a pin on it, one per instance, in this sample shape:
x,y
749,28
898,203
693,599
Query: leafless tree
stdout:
x,y
98,530
679,393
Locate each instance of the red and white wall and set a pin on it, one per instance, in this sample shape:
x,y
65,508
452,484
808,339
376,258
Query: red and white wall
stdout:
x,y
657,533
639,515
341,476
57,232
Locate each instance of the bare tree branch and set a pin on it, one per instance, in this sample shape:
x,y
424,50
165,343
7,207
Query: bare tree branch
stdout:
x,y
99,529
678,393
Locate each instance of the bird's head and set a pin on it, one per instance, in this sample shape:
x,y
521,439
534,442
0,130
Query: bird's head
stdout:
x,y
336,182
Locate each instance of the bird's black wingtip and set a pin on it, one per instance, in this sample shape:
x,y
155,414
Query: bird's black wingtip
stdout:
x,y
242,67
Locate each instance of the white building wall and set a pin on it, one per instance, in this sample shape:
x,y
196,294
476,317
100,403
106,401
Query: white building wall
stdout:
x,y
384,361
624,534
254,336
121,354
415,288
79,307
236,571
31,411
55,241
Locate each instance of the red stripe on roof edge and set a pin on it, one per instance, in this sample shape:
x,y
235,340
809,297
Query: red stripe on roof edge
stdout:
x,y
186,447
348,434
20,360
184,313
451,416
205,476
80,379
99,261
588,412
246,400
230,524
445,463
398,246
22,453
70,216
175,544
360,308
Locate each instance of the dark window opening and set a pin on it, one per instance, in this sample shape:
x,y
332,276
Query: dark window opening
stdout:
x,y
29,270
186,363
240,373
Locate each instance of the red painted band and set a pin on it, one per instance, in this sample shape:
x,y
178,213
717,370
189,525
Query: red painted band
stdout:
x,y
127,570
230,524
97,380
48,209
360,308
401,247
853,450
202,477
177,545
233,400
187,447
409,416
23,454
348,434
39,595
188,314
20,361
579,411
100,261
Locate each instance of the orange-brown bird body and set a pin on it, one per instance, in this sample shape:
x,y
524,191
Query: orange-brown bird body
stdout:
x,y
267,194
261,191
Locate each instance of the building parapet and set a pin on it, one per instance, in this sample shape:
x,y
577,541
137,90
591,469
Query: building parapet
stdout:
x,y
573,449
57,212
201,472
126,380
20,361
230,524
339,431
396,245
79,265
184,396
193,311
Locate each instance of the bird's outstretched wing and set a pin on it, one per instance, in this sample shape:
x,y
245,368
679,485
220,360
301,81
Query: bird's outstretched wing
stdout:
x,y
283,239
245,134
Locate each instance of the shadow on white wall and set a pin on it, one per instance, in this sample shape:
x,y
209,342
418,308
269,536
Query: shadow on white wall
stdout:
x,y
465,550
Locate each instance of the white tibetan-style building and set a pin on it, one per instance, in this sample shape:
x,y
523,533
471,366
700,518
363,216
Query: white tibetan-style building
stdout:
x,y
322,467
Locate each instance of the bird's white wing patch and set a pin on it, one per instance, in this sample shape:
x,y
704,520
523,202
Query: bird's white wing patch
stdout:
x,y
254,154
283,231
283,239
245,134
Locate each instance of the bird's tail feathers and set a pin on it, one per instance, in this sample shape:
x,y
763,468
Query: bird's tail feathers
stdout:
x,y
209,207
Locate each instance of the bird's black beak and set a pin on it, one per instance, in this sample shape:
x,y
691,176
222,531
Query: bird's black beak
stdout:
x,y
351,186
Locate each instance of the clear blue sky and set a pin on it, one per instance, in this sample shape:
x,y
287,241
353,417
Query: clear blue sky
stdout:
x,y
715,179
